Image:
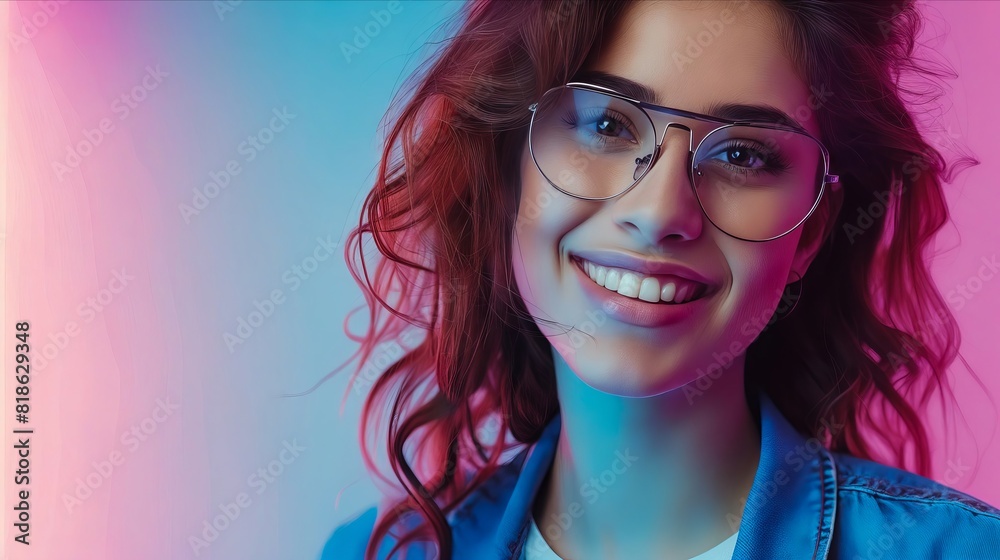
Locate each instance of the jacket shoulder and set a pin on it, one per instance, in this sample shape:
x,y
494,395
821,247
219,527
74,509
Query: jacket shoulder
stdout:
x,y
349,540
469,521
862,475
882,509
490,499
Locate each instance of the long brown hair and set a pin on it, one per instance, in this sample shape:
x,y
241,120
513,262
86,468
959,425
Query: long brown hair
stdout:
x,y
871,328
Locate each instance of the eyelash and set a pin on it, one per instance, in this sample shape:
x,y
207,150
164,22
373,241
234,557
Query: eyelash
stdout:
x,y
570,118
775,163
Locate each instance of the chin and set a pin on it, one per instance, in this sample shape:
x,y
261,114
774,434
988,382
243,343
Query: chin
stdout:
x,y
621,378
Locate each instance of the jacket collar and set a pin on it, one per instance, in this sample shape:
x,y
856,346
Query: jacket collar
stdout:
x,y
789,512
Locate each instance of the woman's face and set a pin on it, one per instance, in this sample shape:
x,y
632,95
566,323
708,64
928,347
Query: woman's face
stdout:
x,y
692,56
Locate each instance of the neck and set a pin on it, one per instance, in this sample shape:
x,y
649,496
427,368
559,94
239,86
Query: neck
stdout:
x,y
632,476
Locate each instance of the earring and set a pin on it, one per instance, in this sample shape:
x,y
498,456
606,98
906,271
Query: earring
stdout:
x,y
792,294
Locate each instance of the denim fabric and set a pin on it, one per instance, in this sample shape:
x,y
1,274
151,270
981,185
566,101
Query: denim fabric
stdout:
x,y
806,502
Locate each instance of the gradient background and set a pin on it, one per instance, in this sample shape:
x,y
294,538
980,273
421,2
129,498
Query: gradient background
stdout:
x,y
151,355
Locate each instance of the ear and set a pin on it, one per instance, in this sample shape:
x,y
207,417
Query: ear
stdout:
x,y
816,230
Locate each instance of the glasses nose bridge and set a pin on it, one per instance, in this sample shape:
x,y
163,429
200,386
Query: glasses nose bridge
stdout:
x,y
668,121
677,125
664,121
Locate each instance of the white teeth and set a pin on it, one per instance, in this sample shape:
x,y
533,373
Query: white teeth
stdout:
x,y
611,282
629,285
645,288
649,290
668,291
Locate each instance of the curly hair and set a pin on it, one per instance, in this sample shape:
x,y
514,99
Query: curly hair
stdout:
x,y
866,349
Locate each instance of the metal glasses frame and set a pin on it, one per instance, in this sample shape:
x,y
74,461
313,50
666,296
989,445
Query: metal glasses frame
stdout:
x,y
645,107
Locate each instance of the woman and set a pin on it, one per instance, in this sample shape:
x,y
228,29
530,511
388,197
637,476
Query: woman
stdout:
x,y
651,321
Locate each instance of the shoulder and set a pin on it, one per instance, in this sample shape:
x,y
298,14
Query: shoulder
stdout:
x,y
882,508
350,539
469,521
890,483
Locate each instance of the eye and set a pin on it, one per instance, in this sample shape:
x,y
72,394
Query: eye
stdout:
x,y
743,156
607,124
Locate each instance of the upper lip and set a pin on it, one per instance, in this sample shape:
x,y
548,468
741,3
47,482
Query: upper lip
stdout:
x,y
642,265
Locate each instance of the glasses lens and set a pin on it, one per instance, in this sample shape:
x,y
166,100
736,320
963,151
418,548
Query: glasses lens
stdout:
x,y
758,183
589,144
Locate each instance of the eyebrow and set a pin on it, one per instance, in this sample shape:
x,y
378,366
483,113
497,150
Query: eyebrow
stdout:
x,y
722,111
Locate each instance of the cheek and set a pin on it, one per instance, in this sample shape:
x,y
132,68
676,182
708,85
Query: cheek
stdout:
x,y
545,223
759,272
535,240
544,214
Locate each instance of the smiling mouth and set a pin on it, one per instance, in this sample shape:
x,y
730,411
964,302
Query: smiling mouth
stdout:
x,y
663,288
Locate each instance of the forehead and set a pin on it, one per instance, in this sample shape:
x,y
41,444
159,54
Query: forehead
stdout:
x,y
696,55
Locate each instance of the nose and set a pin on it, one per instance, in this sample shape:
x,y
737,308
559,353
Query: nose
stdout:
x,y
662,206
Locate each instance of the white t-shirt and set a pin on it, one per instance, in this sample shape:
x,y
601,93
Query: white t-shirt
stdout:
x,y
535,548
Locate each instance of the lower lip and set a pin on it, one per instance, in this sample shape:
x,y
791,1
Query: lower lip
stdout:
x,y
636,311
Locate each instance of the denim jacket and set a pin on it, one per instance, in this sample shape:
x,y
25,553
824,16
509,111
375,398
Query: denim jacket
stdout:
x,y
805,503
